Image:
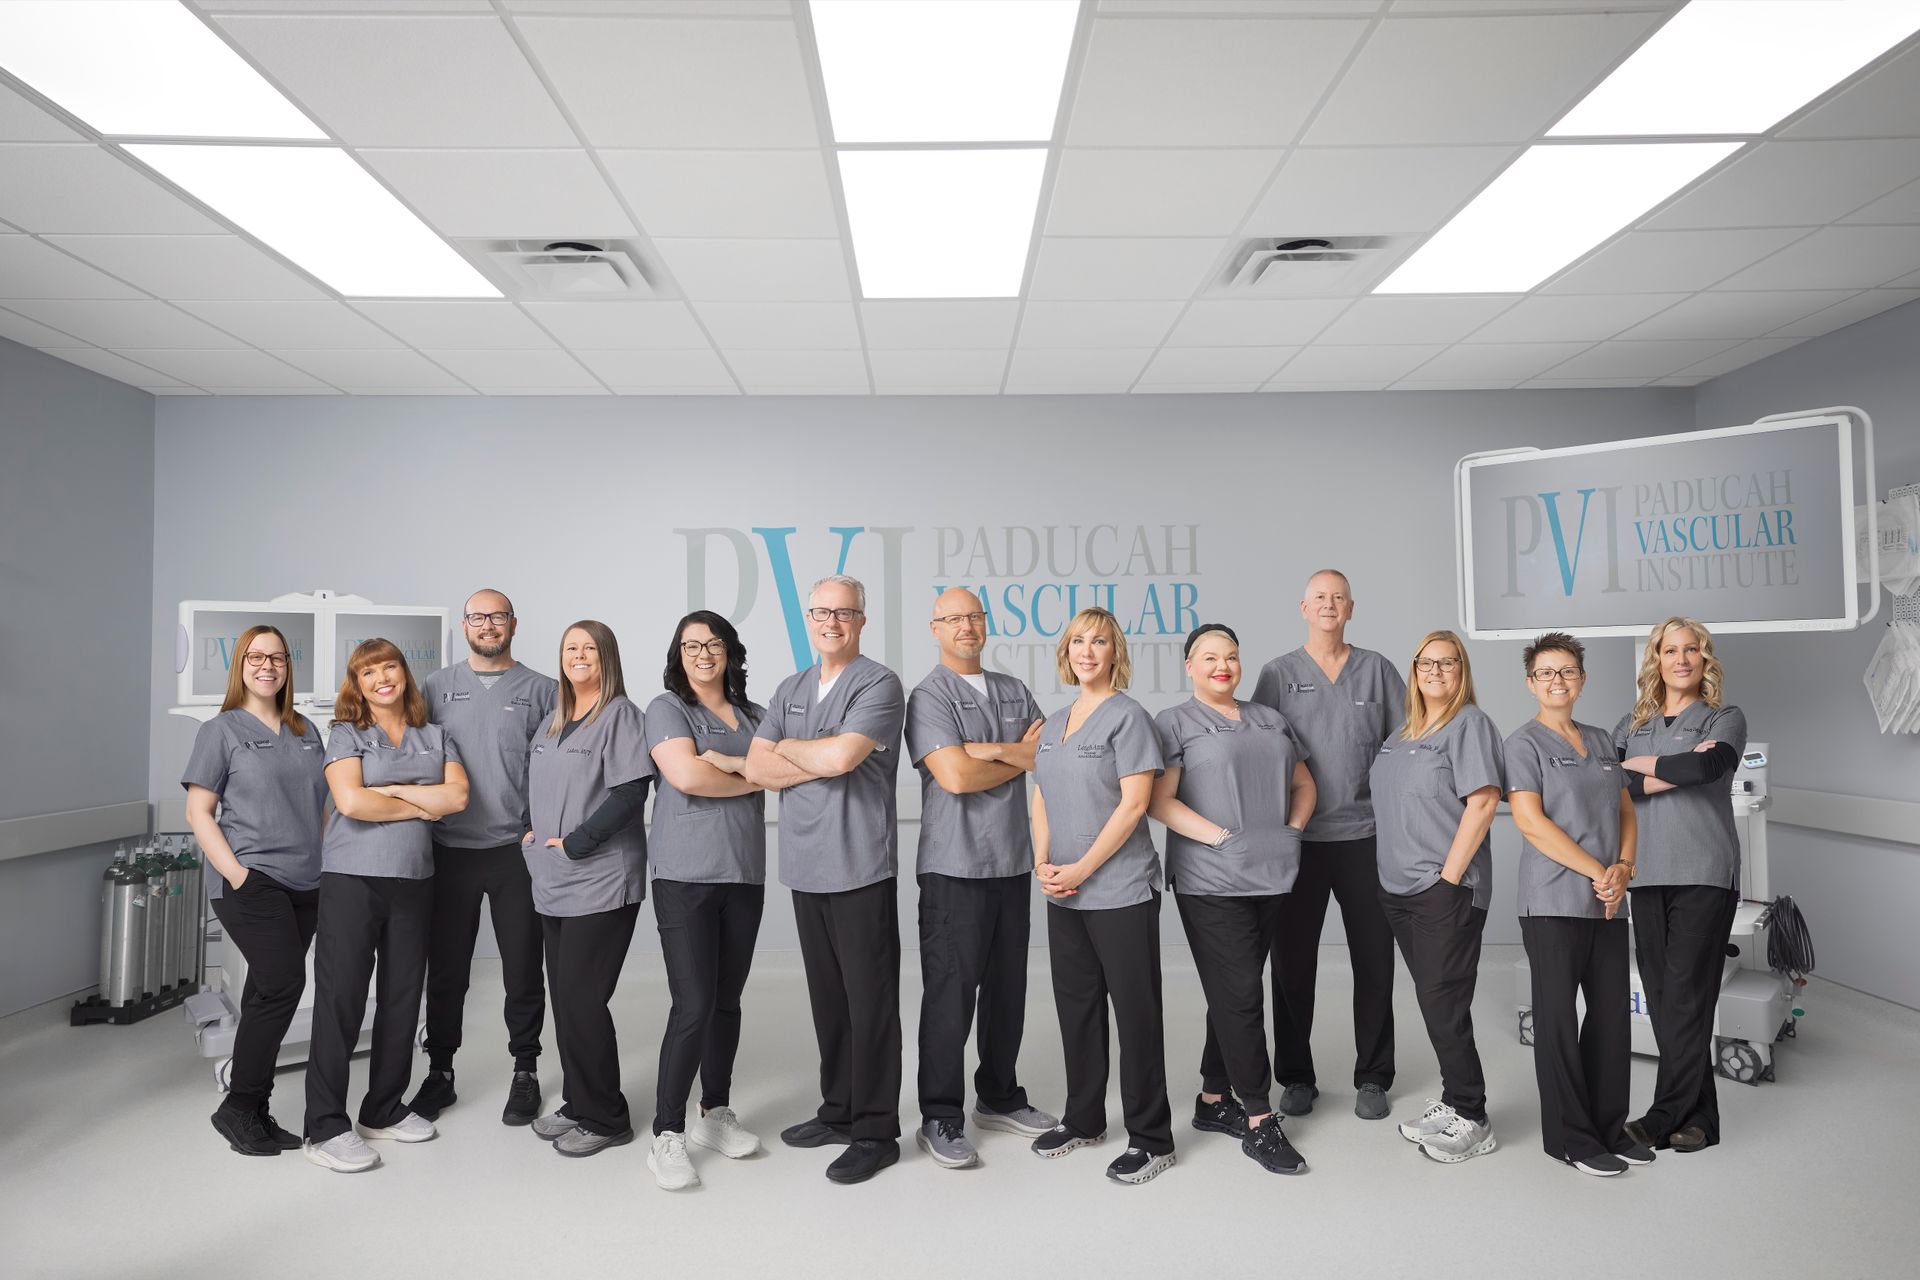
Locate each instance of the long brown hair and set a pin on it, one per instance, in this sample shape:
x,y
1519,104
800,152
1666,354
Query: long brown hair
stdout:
x,y
237,683
1417,725
611,684
351,706
1653,691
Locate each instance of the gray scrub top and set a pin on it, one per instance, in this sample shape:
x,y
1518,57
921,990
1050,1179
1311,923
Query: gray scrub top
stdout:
x,y
1686,835
492,728
840,833
1420,789
1579,795
1236,774
401,850
273,795
982,833
1079,778
1342,723
567,782
706,839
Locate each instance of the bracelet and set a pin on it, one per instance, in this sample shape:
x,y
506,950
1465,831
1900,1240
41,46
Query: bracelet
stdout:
x,y
1226,834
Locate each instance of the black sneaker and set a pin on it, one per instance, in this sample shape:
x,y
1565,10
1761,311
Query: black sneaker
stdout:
x,y
1635,1153
862,1159
1059,1140
523,1099
281,1138
1225,1116
815,1132
1297,1099
1135,1166
1268,1147
434,1095
244,1132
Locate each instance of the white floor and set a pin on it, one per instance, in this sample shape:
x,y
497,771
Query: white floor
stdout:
x,y
109,1169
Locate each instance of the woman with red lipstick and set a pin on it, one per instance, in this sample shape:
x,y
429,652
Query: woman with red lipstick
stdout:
x,y
392,775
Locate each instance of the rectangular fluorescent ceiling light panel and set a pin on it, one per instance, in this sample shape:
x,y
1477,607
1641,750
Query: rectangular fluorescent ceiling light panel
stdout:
x,y
942,224
1738,66
144,68
317,206
943,70
1551,205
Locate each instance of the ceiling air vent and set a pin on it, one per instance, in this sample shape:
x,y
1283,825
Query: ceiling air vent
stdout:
x,y
1303,266
571,269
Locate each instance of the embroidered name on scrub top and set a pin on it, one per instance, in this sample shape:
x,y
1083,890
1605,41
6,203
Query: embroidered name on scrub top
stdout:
x,y
456,695
1293,687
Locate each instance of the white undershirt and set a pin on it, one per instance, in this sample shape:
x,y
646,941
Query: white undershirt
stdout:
x,y
978,680
826,686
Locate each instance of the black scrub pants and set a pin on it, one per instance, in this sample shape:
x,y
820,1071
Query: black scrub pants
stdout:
x,y
1345,870
461,878
372,928
1231,938
1581,1063
1439,932
850,944
707,932
1112,955
1680,933
272,926
973,946
584,957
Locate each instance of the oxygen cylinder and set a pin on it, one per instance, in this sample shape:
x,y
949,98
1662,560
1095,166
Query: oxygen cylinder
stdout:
x,y
192,915
200,910
106,917
125,919
174,917
153,968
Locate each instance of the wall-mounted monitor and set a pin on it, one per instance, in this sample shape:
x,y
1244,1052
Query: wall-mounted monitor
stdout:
x,y
420,634
321,628
211,632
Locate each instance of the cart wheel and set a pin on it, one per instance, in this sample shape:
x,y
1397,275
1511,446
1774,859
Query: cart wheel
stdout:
x,y
1737,1060
1767,1074
1526,1026
223,1074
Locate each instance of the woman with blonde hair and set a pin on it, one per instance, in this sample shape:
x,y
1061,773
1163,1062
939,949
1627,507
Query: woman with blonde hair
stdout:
x,y
1095,764
1678,745
1435,786
256,801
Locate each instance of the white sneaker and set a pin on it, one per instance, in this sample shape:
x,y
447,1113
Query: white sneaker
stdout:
x,y
668,1160
409,1128
343,1153
719,1130
1429,1122
1462,1139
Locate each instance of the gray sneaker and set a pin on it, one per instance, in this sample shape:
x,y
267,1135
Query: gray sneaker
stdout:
x,y
585,1142
1370,1103
552,1125
1431,1120
946,1141
1028,1122
408,1128
343,1153
1462,1139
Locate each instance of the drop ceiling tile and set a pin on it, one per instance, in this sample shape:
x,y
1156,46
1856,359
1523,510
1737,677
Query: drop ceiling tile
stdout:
x,y
1189,192
769,194
632,370
781,326
457,325
294,324
625,325
758,270
87,189
847,388
1511,361
1390,320
1582,318
1205,82
1097,367
1356,364
334,6
1793,184
1902,206
1662,261
962,389
1735,315
1855,309
1640,360
111,365
1121,268
1472,79
1373,190
781,372
405,81
378,372
30,333
30,269
1109,387
659,8
1192,388
911,324
1097,324
907,370
1582,384
22,121
1377,384
716,390
451,389
1836,258
216,370
1286,322
532,195
594,390
211,268
491,369
1739,357
312,390
1884,104
1419,384
128,323
635,82
1194,366
1242,8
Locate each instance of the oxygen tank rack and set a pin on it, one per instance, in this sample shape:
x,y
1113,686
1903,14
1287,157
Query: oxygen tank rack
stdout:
x,y
93,1009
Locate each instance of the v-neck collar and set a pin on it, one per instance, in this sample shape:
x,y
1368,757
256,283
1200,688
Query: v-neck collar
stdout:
x,y
1583,750
1098,708
284,726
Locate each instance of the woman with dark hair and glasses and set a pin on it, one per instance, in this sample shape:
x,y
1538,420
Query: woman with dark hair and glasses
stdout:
x,y
708,847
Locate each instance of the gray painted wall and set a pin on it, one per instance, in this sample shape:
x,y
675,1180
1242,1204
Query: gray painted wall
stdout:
x,y
76,566
1803,692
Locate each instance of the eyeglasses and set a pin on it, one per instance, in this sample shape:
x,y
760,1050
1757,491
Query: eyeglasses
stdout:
x,y
836,615
1436,664
1564,673
955,619
278,661
497,619
715,647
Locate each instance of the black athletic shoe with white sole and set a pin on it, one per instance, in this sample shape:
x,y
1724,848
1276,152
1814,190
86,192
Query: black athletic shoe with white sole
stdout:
x,y
1135,1166
523,1099
1059,1140
1223,1116
1636,1154
1268,1147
